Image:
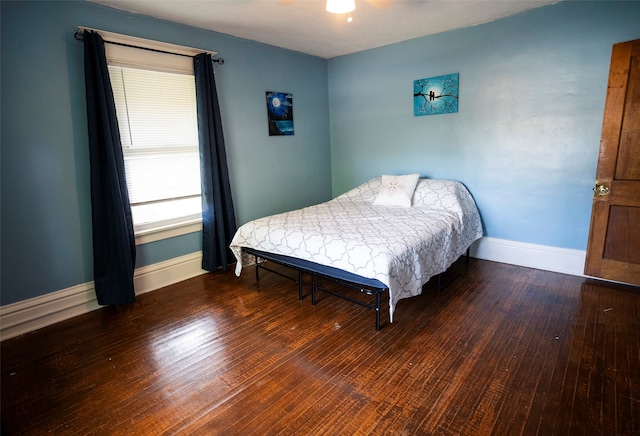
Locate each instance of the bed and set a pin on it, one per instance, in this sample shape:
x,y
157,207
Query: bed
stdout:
x,y
392,233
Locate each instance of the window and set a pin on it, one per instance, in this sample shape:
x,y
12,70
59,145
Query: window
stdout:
x,y
155,102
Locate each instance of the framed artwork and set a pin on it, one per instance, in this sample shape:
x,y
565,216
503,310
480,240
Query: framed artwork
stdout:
x,y
280,113
436,95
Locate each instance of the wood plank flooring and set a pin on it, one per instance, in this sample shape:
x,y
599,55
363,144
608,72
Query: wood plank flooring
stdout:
x,y
500,350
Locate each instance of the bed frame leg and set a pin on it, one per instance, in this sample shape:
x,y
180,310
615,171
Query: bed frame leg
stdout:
x,y
257,270
313,289
377,311
299,285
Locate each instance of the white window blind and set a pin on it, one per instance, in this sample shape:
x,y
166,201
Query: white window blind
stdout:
x,y
157,117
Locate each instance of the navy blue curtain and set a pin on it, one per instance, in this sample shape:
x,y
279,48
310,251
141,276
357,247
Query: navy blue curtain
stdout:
x,y
114,248
218,218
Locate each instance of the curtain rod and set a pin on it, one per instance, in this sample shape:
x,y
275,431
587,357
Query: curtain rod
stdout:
x,y
79,36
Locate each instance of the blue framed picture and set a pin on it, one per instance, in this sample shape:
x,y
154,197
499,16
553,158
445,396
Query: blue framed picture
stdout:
x,y
280,113
436,95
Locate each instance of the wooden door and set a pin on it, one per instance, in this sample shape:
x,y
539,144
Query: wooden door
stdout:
x,y
613,250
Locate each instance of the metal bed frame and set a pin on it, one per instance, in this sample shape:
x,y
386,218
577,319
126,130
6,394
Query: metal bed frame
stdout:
x,y
362,284
343,278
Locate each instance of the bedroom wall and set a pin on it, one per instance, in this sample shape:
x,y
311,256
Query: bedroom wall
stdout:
x,y
46,224
525,140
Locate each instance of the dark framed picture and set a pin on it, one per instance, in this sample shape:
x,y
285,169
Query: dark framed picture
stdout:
x,y
280,113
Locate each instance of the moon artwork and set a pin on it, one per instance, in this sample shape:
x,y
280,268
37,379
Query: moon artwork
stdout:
x,y
280,113
436,95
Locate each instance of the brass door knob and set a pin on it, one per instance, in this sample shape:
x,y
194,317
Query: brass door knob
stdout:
x,y
599,189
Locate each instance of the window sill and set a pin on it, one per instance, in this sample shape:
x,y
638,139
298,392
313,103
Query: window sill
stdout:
x,y
166,232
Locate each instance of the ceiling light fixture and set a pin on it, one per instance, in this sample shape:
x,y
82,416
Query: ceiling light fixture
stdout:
x,y
341,6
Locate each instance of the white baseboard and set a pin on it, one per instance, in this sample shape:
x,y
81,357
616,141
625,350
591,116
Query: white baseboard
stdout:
x,y
562,260
35,313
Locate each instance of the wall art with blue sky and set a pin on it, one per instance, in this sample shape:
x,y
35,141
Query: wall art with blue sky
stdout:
x,y
436,95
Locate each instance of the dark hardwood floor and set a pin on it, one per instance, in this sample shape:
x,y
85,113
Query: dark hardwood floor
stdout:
x,y
500,350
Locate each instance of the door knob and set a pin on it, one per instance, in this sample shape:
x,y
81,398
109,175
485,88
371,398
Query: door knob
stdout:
x,y
600,189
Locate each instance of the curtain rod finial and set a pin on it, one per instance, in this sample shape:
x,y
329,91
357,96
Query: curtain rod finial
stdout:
x,y
218,61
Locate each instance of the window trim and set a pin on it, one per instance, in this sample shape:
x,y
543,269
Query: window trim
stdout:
x,y
149,44
168,231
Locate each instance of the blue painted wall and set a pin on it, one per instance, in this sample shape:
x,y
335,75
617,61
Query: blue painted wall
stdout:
x,y
46,215
525,140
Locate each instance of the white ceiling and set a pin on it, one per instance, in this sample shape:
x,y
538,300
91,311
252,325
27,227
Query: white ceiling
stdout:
x,y
305,26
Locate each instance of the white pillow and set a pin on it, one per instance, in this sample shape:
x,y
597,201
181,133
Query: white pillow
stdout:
x,y
396,190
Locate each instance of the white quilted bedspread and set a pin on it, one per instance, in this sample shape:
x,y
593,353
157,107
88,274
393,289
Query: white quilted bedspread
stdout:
x,y
401,247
